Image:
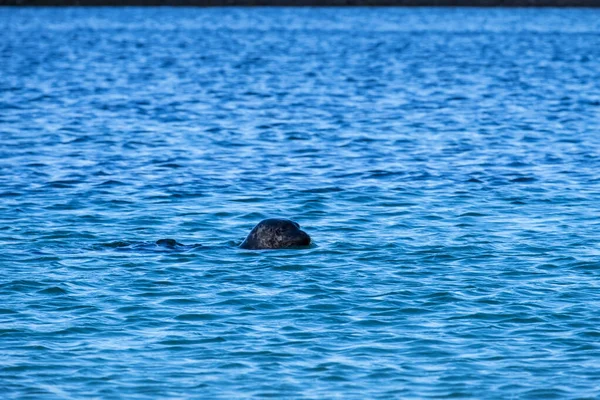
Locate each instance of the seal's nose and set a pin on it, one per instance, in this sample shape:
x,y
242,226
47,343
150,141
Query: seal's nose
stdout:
x,y
304,239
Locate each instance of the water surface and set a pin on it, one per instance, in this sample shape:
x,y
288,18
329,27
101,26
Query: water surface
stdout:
x,y
444,161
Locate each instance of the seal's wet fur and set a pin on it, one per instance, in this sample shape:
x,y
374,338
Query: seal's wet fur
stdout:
x,y
275,234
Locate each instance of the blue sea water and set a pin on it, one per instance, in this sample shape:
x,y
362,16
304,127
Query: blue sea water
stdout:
x,y
445,161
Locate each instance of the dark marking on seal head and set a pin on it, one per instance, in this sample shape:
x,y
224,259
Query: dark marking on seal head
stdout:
x,y
275,234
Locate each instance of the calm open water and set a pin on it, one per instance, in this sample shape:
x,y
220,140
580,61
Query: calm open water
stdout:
x,y
446,163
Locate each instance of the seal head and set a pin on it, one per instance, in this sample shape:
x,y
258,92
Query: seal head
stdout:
x,y
275,234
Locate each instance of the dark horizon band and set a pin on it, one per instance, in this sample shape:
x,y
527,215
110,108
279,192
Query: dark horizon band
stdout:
x,y
308,3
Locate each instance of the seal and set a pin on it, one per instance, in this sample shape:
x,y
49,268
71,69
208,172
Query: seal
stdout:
x,y
275,234
168,243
